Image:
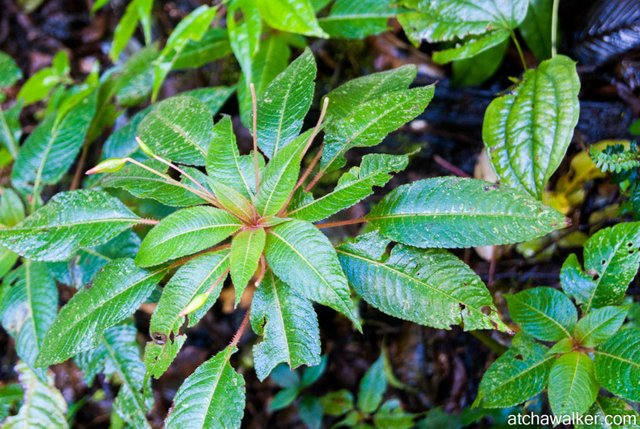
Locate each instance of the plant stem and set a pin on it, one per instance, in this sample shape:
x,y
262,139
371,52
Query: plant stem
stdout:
x,y
519,49
315,179
75,183
341,223
254,109
316,130
554,28
148,221
241,329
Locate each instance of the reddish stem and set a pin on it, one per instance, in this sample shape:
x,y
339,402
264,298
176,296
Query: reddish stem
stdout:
x,y
341,223
241,329
449,166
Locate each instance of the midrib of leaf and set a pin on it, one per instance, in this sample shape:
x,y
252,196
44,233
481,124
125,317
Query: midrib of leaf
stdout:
x,y
171,237
313,268
278,181
96,254
263,74
43,161
453,214
356,16
414,279
180,130
618,358
281,117
545,316
497,19
124,375
67,225
519,375
572,384
29,395
510,119
218,378
27,276
281,318
7,132
596,327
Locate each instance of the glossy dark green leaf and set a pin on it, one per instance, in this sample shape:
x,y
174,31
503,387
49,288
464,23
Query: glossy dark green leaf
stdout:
x,y
372,387
285,103
288,325
10,73
70,221
212,397
527,133
611,261
117,291
476,70
300,255
459,212
158,357
357,19
429,287
536,28
293,16
246,250
544,313
517,375
186,232
617,364
599,325
572,384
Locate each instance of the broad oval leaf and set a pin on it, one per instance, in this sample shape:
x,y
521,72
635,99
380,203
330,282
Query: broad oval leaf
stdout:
x,y
544,313
212,397
617,364
302,256
536,28
458,212
372,387
117,291
205,274
285,103
293,16
572,384
246,250
357,19
288,325
179,129
517,375
430,287
186,232
599,325
70,221
611,261
527,133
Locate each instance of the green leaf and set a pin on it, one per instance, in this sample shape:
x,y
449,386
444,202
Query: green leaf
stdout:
x,y
244,37
246,249
313,373
158,357
459,212
212,397
280,176
544,313
301,256
283,399
11,208
186,232
429,287
617,364
214,97
357,20
310,411
142,183
205,274
293,16
10,73
118,357
536,28
391,415
179,129
52,147
473,26
372,387
337,403
572,385
284,104
599,325
288,325
610,409
611,261
70,221
224,163
43,405
353,186
10,397
135,81
137,11
527,133
28,307
117,291
232,200
10,129
517,375
476,70
196,53
368,123
40,84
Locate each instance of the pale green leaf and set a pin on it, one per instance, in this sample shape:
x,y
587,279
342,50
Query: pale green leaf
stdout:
x,y
116,293
611,261
617,364
43,406
70,221
41,83
599,325
212,397
460,212
429,287
246,250
137,11
10,129
572,384
372,387
536,28
285,103
358,19
11,208
179,129
28,307
517,375
293,16
527,133
232,200
353,186
288,325
303,257
185,232
244,36
10,73
544,313
337,403
204,274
